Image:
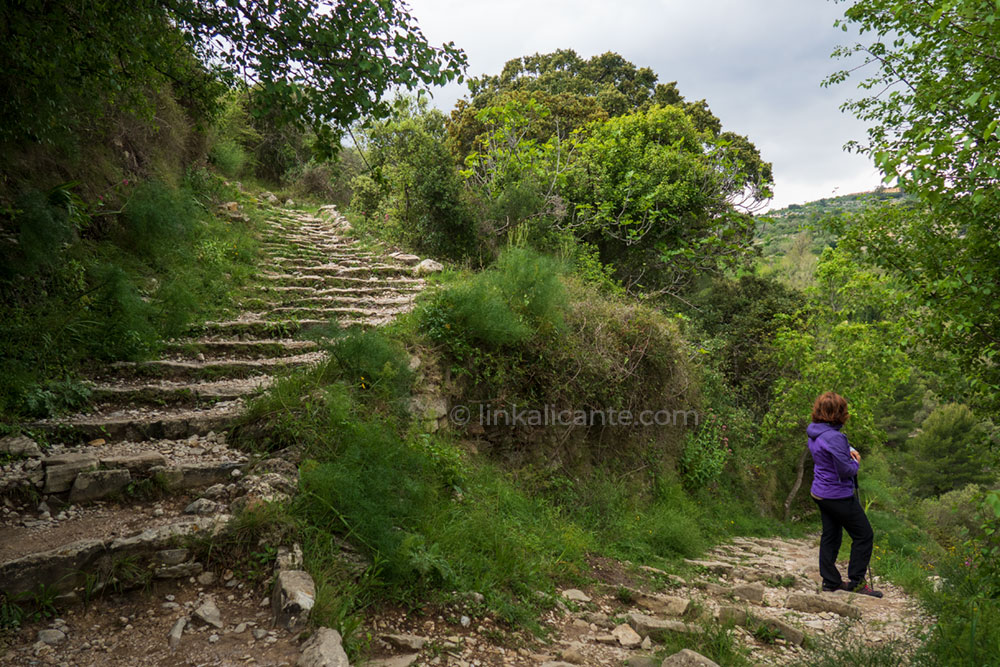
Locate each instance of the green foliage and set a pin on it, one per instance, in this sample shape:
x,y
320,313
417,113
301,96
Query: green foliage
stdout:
x,y
370,361
937,133
706,452
950,451
952,514
67,63
849,343
967,631
740,319
414,194
114,293
521,296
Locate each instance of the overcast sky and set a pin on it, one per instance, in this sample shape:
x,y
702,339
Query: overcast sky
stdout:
x,y
758,63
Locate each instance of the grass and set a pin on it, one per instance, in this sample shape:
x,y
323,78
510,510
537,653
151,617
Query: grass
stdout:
x,y
121,280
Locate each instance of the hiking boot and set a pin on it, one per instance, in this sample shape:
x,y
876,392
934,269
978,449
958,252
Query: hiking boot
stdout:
x,y
830,589
865,589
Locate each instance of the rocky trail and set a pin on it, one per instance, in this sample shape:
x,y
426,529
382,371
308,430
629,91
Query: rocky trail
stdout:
x,y
105,522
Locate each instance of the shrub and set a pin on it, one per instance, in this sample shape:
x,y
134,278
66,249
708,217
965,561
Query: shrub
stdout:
x,y
229,157
952,514
706,452
950,451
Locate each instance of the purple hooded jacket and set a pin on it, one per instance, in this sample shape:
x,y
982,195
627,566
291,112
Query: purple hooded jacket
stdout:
x,y
834,469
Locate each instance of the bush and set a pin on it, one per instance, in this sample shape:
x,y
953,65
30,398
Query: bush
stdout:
x,y
706,452
229,157
950,451
521,296
952,515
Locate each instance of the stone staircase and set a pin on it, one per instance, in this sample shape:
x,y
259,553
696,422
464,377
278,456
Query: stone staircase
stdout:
x,y
148,463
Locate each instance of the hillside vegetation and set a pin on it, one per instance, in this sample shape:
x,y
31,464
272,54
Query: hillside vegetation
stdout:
x,y
605,254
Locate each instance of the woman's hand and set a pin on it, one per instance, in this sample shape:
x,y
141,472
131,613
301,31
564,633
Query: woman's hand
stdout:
x,y
856,455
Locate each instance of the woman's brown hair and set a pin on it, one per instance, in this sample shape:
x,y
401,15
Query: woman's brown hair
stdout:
x,y
830,408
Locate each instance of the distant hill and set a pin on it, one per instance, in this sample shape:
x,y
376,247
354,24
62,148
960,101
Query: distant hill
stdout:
x,y
778,227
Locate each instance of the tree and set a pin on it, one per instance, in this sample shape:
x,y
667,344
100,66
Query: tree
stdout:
x,y
305,63
950,451
652,192
618,88
934,110
419,191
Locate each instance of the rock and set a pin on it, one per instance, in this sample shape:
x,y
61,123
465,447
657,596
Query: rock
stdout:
x,y
642,661
716,567
406,642
626,636
792,634
572,654
646,643
289,202
395,661
575,595
20,445
409,260
289,559
240,629
174,636
598,619
687,658
258,633
821,603
324,649
750,592
172,556
428,266
206,578
730,614
269,197
202,506
657,628
135,463
51,636
95,484
293,598
215,492
428,406
663,604
209,613
180,571
213,638
556,663
61,470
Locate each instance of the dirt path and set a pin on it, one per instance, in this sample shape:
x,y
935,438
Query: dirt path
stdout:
x,y
764,592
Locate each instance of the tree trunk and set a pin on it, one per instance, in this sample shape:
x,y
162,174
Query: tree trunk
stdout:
x,y
798,483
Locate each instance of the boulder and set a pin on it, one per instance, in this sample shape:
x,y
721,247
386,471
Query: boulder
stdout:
x,y
293,598
663,604
820,603
324,649
406,642
626,636
95,484
61,470
657,628
687,658
20,445
575,595
427,267
750,592
208,613
713,566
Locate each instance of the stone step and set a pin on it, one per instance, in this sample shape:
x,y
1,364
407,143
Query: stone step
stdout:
x,y
336,313
332,269
166,392
177,369
327,281
137,425
263,327
239,349
410,289
73,566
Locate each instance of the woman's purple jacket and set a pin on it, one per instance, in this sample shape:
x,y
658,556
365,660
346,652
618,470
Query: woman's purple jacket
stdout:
x,y
834,470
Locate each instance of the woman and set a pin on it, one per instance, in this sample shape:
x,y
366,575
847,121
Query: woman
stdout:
x,y
834,481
